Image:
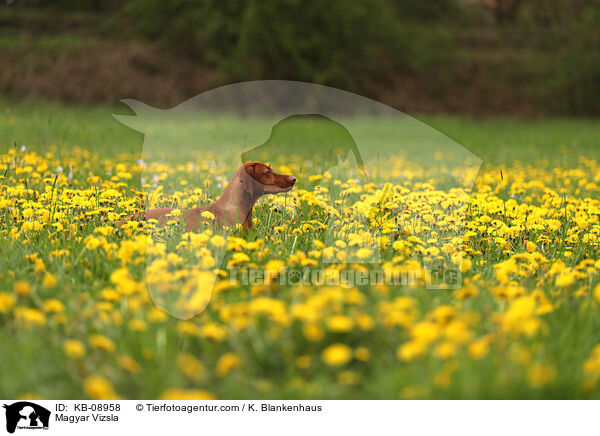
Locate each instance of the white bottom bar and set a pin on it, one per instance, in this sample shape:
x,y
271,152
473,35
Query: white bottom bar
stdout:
x,y
299,417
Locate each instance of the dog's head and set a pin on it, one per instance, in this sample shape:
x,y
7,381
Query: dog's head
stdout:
x,y
259,179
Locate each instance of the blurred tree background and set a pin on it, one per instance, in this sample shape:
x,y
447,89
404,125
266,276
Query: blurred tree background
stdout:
x,y
517,57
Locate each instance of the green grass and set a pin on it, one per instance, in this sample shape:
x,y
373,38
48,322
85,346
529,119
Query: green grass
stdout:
x,y
41,125
36,362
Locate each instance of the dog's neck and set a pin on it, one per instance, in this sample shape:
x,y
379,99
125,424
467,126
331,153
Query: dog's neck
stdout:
x,y
235,204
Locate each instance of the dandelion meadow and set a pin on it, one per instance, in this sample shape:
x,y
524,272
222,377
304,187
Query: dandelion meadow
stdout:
x,y
77,320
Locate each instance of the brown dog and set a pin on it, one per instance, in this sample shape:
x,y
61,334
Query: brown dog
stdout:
x,y
251,181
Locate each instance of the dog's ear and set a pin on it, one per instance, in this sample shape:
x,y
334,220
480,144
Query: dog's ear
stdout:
x,y
247,175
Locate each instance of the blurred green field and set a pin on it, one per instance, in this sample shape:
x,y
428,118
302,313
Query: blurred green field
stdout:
x,y
509,332
40,125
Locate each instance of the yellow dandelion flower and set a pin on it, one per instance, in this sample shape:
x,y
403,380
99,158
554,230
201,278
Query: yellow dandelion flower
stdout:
x,y
74,349
137,325
340,323
22,288
218,241
337,355
98,387
101,342
155,315
363,253
53,305
208,215
30,316
181,394
364,321
425,332
49,281
445,350
411,350
313,332
362,353
227,363
565,279
479,348
191,367
7,301
530,246
213,331
109,295
91,242
128,364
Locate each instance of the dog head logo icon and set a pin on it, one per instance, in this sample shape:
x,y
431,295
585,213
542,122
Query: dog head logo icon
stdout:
x,y
308,137
350,160
26,415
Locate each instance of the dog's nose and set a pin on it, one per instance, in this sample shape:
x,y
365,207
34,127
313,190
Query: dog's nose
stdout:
x,y
292,179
